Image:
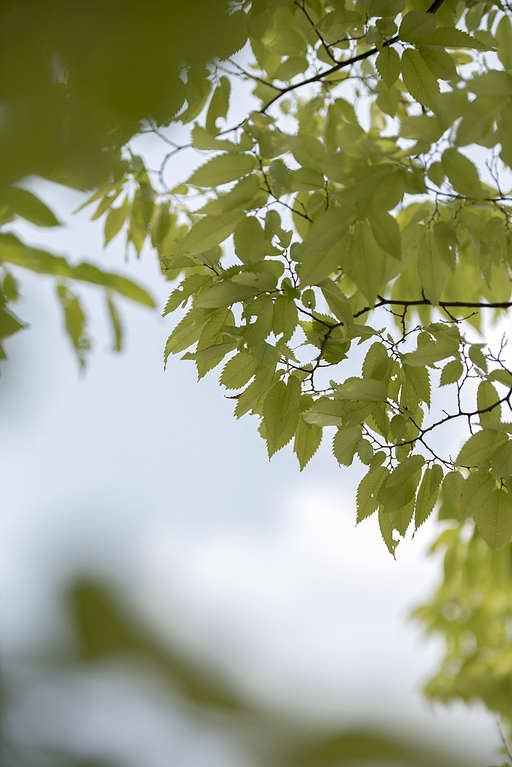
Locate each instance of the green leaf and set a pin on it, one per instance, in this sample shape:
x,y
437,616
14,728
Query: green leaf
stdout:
x,y
451,373
475,492
239,197
29,207
388,65
322,250
307,441
115,220
439,62
223,169
249,240
479,448
432,269
477,357
453,484
345,443
386,529
224,294
427,494
42,262
451,37
116,324
462,174
405,471
416,26
504,39
281,413
238,371
376,362
209,231
219,104
487,397
431,352
495,520
366,262
400,487
386,231
75,322
284,40
363,389
368,490
418,377
418,78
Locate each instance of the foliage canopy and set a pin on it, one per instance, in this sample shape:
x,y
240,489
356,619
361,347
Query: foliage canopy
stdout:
x,y
353,231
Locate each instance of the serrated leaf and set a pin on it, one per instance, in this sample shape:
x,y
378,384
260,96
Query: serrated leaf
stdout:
x,y
224,294
307,441
219,104
432,269
495,520
376,362
249,240
479,448
487,397
416,26
363,389
417,77
504,40
238,197
427,494
419,378
401,518
386,231
209,231
451,37
344,444
322,251
281,413
386,529
477,357
439,61
366,262
462,174
388,65
431,352
223,169
475,491
238,371
405,471
451,372
453,484
367,492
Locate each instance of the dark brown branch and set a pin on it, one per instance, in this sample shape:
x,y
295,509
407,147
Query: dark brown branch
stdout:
x,y
443,304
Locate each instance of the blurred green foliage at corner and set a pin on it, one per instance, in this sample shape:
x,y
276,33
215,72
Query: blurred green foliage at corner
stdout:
x,y
77,78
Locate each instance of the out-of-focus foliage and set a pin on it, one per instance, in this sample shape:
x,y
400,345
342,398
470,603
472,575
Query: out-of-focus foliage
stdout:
x,y
77,80
106,632
472,611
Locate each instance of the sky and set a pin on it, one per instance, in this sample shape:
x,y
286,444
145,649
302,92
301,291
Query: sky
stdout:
x,y
143,477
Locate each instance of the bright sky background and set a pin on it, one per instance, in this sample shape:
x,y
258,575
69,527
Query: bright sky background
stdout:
x,y
145,478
